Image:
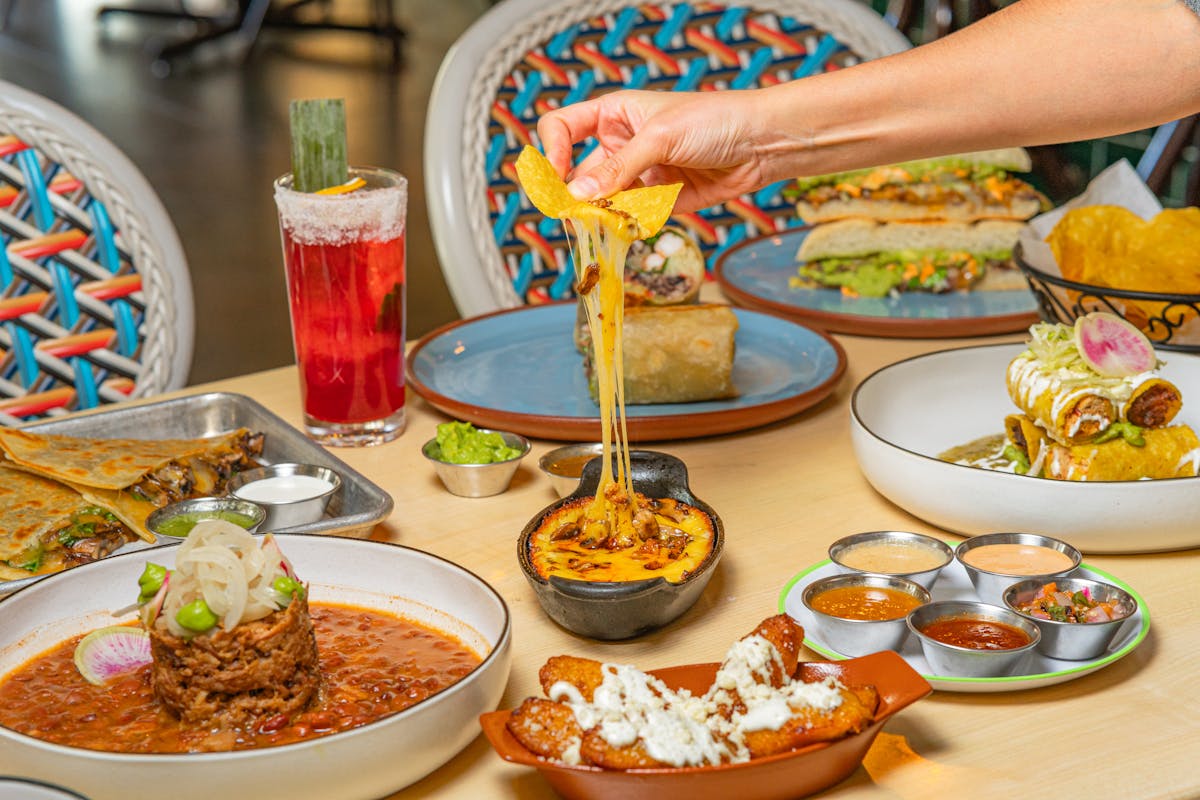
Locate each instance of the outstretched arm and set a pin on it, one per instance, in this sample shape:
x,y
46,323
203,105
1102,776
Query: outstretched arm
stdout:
x,y
1036,72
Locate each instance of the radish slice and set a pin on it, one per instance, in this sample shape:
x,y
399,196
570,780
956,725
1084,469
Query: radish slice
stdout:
x,y
110,652
1113,347
151,610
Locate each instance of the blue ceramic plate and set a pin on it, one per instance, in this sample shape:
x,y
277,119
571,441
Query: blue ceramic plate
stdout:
x,y
757,273
518,370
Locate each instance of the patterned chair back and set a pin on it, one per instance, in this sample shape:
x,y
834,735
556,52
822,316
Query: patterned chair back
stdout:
x,y
95,304
524,58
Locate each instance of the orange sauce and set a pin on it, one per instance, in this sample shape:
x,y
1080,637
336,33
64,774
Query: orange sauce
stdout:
x,y
572,466
977,634
864,602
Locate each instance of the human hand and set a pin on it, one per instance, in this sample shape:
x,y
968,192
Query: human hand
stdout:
x,y
707,141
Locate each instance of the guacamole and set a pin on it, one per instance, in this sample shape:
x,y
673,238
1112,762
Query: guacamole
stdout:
x,y
463,443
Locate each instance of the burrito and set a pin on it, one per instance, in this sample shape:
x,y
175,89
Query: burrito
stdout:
x,y
1130,453
46,526
133,477
664,270
676,354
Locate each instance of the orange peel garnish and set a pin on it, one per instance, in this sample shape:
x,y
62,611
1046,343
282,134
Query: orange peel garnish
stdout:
x,y
343,188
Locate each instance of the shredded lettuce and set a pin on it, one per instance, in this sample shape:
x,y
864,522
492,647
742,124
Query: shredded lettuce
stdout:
x,y
1052,345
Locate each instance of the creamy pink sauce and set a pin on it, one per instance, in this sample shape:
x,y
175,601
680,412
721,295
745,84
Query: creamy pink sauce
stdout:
x,y
1018,559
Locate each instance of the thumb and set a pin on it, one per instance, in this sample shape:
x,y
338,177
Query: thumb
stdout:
x,y
616,172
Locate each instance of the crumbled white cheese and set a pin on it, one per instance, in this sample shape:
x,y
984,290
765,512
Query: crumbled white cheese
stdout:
x,y
682,730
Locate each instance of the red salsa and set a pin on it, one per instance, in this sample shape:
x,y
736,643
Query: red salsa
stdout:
x,y
373,664
977,634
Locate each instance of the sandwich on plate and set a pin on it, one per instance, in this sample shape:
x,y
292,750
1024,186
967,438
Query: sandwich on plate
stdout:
x,y
868,258
964,187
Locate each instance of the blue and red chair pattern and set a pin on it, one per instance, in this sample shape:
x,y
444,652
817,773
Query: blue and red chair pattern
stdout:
x,y
668,46
75,313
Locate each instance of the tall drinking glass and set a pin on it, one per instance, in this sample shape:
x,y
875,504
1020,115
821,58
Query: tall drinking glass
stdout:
x,y
344,257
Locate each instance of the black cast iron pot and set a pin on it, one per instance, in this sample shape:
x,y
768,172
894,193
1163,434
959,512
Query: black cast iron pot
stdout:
x,y
623,609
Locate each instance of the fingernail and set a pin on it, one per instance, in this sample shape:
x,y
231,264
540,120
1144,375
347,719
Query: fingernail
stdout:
x,y
583,188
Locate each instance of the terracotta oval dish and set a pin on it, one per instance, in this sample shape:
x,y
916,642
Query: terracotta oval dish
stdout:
x,y
366,762
620,610
778,777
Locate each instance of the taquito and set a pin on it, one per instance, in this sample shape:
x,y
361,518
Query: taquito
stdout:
x,y
1170,452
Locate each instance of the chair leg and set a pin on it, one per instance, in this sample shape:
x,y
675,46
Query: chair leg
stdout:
x,y
1160,173
6,10
152,13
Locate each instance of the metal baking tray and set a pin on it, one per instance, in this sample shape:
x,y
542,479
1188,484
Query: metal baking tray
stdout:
x,y
353,511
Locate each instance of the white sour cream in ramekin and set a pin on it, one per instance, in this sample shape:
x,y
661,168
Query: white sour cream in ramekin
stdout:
x,y
284,489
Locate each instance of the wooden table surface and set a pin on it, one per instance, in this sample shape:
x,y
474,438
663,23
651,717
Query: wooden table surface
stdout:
x,y
785,492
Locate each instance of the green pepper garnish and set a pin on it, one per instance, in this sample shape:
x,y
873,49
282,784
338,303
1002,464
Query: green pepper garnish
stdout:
x,y
1131,433
1019,457
1057,613
29,559
289,587
94,511
196,616
1081,599
151,581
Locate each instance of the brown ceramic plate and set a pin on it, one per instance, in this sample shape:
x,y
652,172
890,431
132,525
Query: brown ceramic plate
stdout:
x,y
518,370
779,777
757,274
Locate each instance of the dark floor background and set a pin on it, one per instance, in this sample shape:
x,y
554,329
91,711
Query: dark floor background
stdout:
x,y
212,136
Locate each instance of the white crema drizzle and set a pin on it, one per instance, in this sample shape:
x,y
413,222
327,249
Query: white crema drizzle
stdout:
x,y
1032,379
680,729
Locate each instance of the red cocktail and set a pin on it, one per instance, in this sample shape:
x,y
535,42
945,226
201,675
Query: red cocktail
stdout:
x,y
344,256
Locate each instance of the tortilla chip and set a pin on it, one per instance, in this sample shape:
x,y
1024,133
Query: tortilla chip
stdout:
x,y
649,206
1113,247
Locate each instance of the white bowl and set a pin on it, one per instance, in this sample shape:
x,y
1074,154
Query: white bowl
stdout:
x,y
904,414
368,762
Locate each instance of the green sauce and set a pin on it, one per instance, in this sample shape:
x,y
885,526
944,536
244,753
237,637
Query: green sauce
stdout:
x,y
463,443
181,524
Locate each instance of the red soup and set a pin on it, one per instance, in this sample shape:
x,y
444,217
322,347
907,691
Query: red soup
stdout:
x,y
372,664
977,634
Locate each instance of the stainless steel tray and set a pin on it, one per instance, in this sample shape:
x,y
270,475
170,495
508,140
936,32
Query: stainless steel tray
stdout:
x,y
353,511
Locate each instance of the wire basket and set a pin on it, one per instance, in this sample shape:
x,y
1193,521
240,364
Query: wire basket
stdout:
x,y
1170,321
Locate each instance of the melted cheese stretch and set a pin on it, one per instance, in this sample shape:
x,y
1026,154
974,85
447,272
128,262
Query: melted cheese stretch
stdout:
x,y
603,243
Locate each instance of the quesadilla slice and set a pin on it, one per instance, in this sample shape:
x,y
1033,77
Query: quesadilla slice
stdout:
x,y
133,477
46,526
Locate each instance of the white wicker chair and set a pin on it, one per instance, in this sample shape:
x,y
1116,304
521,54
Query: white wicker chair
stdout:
x,y
95,301
481,113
